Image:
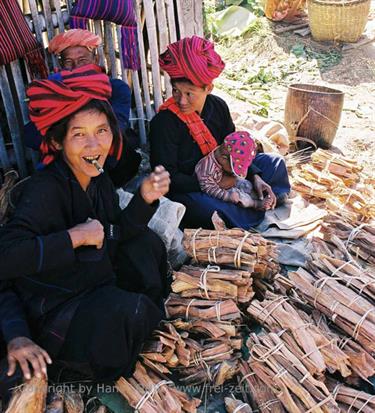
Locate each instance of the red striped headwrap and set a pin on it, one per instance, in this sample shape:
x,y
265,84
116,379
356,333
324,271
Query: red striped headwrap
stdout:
x,y
193,58
53,100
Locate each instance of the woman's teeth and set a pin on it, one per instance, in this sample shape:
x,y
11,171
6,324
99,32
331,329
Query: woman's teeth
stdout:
x,y
91,159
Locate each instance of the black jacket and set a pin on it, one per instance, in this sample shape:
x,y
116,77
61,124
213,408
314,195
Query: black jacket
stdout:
x,y
173,147
37,259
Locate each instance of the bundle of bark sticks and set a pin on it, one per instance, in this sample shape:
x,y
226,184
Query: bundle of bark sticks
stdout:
x,y
346,189
234,248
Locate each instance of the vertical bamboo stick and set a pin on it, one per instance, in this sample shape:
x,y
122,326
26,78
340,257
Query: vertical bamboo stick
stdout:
x,y
141,48
163,38
111,49
60,20
49,26
18,81
12,122
154,51
98,31
171,22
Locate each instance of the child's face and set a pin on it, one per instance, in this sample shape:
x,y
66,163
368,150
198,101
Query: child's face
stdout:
x,y
223,158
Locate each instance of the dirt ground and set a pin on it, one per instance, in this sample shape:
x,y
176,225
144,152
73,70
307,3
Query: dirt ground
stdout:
x,y
260,67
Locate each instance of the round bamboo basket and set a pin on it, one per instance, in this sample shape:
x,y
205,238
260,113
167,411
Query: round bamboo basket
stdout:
x,y
313,113
340,20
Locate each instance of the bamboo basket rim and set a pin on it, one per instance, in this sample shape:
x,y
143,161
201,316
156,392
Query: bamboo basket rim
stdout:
x,y
320,89
338,3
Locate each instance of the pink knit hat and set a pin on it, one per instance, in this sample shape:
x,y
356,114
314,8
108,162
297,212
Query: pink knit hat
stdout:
x,y
242,150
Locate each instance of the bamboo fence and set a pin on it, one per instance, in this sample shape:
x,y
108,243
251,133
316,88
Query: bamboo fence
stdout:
x,y
159,23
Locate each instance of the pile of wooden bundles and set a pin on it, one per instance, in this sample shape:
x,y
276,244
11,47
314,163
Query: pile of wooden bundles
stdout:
x,y
148,392
212,355
277,365
340,182
315,351
235,248
348,273
263,399
351,400
356,240
213,283
347,309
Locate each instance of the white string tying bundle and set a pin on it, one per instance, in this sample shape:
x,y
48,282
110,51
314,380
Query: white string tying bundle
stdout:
x,y
355,231
203,278
150,394
241,406
237,255
360,323
188,308
193,243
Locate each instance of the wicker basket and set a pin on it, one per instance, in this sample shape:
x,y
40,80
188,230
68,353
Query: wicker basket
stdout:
x,y
341,20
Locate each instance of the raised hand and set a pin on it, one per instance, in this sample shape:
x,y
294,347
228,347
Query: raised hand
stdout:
x,y
155,185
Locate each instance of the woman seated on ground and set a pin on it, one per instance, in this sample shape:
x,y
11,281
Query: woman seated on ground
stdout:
x,y
90,277
190,125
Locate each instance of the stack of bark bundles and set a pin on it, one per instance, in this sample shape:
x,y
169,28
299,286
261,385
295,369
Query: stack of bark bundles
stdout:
x,y
213,359
213,283
317,352
275,363
234,248
356,241
148,392
340,182
347,309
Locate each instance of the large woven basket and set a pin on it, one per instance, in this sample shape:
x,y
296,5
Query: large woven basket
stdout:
x,y
340,20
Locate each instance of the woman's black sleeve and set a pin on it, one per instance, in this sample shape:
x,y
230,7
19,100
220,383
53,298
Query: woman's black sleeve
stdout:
x,y
165,138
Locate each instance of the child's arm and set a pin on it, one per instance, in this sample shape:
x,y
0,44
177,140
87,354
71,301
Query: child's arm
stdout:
x,y
208,174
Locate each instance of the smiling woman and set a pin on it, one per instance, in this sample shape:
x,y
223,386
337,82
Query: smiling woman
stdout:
x,y
90,277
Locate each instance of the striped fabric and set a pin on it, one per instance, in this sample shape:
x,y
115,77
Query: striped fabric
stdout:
x,y
120,12
198,130
16,40
193,58
53,100
209,173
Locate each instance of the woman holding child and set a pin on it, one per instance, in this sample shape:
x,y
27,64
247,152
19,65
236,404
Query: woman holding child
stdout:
x,y
191,125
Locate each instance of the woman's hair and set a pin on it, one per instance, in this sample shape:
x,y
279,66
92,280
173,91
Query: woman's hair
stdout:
x,y
58,131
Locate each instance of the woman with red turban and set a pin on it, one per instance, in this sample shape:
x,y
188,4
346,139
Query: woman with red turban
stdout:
x,y
90,277
191,124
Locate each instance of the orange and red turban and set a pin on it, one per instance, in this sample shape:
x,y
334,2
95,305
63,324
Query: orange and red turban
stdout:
x,y
74,37
52,100
193,58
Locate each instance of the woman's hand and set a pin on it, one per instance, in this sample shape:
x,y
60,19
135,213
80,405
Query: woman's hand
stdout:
x,y
88,233
260,187
24,351
155,185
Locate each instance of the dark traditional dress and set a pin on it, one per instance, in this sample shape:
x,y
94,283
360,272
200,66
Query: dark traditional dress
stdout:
x,y
173,147
85,305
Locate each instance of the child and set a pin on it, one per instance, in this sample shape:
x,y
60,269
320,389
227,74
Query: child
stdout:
x,y
221,174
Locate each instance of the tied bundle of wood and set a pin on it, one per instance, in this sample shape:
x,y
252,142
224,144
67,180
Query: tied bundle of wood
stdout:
x,y
351,312
190,309
234,248
213,360
362,364
348,273
345,193
285,374
356,240
29,397
314,350
211,329
351,400
263,399
148,392
213,283
345,168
